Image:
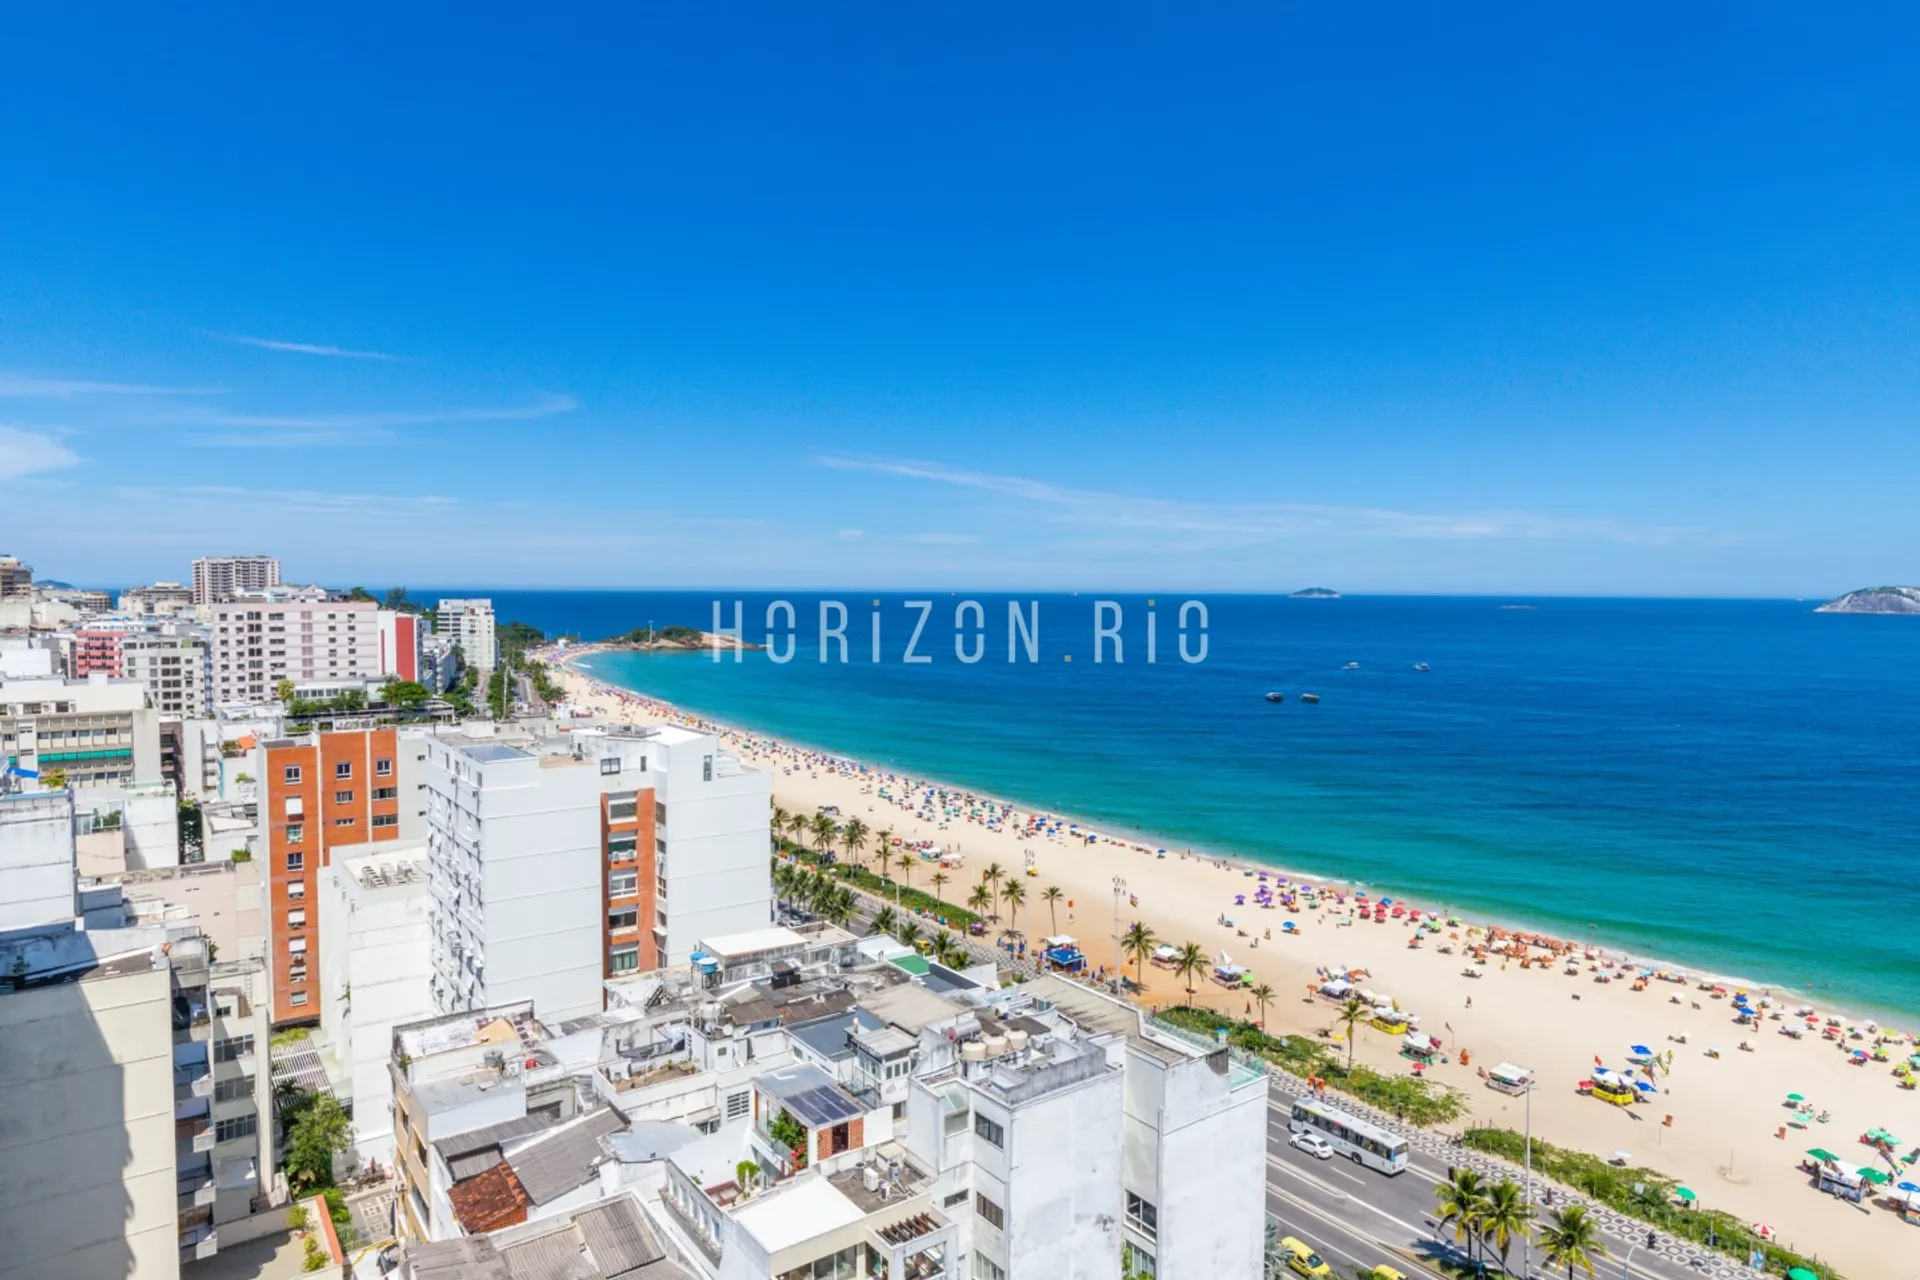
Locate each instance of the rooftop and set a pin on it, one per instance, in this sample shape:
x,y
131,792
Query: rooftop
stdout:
x,y
897,1175
736,946
811,1095
560,1161
609,1240
911,1008
796,1213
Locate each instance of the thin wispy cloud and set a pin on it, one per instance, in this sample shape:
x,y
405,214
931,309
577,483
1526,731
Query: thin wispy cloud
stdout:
x,y
26,453
545,407
12,384
944,539
1216,524
304,348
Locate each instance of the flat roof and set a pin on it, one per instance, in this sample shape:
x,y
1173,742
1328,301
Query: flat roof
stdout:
x,y
811,1095
771,938
809,1208
489,752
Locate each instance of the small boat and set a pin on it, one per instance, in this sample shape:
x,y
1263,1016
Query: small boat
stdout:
x,y
1276,697
1309,697
1353,666
1421,666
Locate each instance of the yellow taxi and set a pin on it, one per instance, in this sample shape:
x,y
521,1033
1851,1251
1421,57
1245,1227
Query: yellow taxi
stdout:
x,y
1385,1272
1302,1260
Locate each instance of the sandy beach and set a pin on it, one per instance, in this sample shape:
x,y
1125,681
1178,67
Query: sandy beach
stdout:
x,y
1728,1111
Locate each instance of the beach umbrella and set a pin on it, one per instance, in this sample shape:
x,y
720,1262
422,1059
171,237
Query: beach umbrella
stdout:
x,y
1685,1193
1823,1155
1621,1157
1801,1273
1796,1097
1909,1186
1874,1176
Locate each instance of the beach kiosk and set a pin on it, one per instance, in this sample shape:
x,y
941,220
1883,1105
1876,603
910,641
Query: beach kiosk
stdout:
x,y
1390,1020
1508,1078
1419,1046
1611,1086
1063,952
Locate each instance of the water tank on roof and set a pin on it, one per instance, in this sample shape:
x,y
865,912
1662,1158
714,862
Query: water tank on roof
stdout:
x,y
1016,1040
973,1051
996,1046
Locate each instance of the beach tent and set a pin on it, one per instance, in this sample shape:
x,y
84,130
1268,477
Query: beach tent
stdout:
x,y
1338,989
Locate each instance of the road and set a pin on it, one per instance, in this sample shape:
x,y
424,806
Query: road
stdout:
x,y
1357,1218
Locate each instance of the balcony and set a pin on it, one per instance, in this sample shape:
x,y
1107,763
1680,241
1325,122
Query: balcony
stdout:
x,y
197,1189
199,1244
195,1132
194,1080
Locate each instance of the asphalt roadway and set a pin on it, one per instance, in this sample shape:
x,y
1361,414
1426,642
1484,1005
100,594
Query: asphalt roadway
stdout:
x,y
1356,1218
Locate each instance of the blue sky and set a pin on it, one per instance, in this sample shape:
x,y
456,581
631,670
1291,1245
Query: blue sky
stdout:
x,y
1391,298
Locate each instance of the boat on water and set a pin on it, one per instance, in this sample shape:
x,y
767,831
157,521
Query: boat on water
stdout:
x,y
1421,666
1309,697
1276,696
1353,666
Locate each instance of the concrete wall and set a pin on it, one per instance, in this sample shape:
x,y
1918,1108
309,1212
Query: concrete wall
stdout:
x,y
1196,1149
36,860
719,877
1058,1181
86,1131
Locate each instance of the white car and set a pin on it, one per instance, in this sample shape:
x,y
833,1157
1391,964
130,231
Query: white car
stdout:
x,y
1313,1144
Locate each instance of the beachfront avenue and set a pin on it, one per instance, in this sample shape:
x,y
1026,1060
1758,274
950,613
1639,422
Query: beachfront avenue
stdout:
x,y
906,632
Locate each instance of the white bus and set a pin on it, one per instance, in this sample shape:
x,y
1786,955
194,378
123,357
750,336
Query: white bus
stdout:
x,y
1351,1136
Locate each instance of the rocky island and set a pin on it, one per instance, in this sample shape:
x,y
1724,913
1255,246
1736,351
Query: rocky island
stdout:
x,y
1316,593
1875,600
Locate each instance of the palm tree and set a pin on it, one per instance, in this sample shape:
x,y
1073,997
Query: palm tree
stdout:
x,y
883,920
883,857
1262,997
1015,896
948,951
824,830
981,899
1571,1237
939,879
1504,1215
909,933
854,837
1051,895
1463,1201
1191,962
1353,1012
992,875
1137,943
778,823
798,826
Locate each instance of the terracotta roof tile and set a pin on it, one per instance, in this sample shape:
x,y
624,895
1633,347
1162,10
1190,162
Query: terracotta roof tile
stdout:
x,y
489,1201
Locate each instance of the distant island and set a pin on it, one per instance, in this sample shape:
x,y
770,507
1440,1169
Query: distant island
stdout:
x,y
1875,600
1316,593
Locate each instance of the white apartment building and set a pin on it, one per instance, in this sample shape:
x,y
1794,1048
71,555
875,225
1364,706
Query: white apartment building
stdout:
x,y
173,668
470,623
375,967
217,578
97,731
162,599
559,861
36,859
260,641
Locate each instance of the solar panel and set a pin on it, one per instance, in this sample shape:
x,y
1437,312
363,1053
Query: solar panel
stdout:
x,y
822,1107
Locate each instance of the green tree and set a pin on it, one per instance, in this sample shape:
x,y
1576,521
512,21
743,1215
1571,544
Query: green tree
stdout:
x,y
948,951
854,839
940,878
883,920
908,934
1191,962
405,693
283,691
1505,1215
53,779
1570,1237
1262,997
1462,1203
361,593
1051,895
1137,943
1353,1013
981,899
1015,896
993,875
320,1131
824,830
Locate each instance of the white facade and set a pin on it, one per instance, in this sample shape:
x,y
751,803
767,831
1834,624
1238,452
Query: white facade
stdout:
x,y
97,730
36,859
257,643
711,842
470,623
173,669
375,964
217,578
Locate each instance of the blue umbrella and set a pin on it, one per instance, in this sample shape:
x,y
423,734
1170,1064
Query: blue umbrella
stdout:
x,y
1641,1049
1908,1186
1644,1087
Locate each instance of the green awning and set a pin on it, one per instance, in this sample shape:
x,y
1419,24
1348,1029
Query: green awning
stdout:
x,y
1823,1155
1686,1193
1876,1177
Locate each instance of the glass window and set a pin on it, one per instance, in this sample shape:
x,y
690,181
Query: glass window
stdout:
x,y
343,797
621,806
297,918
609,764
990,1212
232,1089
984,1268
292,775
237,1127
296,862
622,845
297,998
1142,1214
623,884
386,819
989,1130
383,768
624,918
659,814
343,770
624,959
234,1049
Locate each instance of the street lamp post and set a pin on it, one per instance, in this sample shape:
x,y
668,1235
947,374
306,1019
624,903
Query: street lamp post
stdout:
x,y
1526,1242
1119,888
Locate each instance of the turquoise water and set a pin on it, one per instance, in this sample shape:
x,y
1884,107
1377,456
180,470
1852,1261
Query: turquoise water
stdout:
x,y
1730,784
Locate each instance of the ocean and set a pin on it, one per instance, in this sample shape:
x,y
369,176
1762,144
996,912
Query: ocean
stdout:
x,y
1732,785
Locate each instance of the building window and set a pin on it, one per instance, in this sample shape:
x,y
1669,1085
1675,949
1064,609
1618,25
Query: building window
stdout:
x,y
623,884
343,770
296,888
623,918
706,768
1144,1265
990,1212
296,862
343,822
383,768
989,1130
737,1104
659,814
297,998
386,793
343,797
624,959
1142,1214
297,946
297,918
621,807
232,1089
609,765
235,1049
386,819
984,1268
622,845
238,1127
954,1201
292,775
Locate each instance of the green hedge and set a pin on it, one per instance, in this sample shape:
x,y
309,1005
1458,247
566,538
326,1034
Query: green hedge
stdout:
x,y
957,917
1417,1101
1653,1203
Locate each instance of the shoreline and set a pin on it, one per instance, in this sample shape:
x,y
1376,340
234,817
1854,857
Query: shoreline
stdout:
x,y
1693,972
1720,1125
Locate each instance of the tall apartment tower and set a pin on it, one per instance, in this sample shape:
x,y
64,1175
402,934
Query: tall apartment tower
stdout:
x,y
325,791
558,862
16,579
470,623
258,643
217,578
